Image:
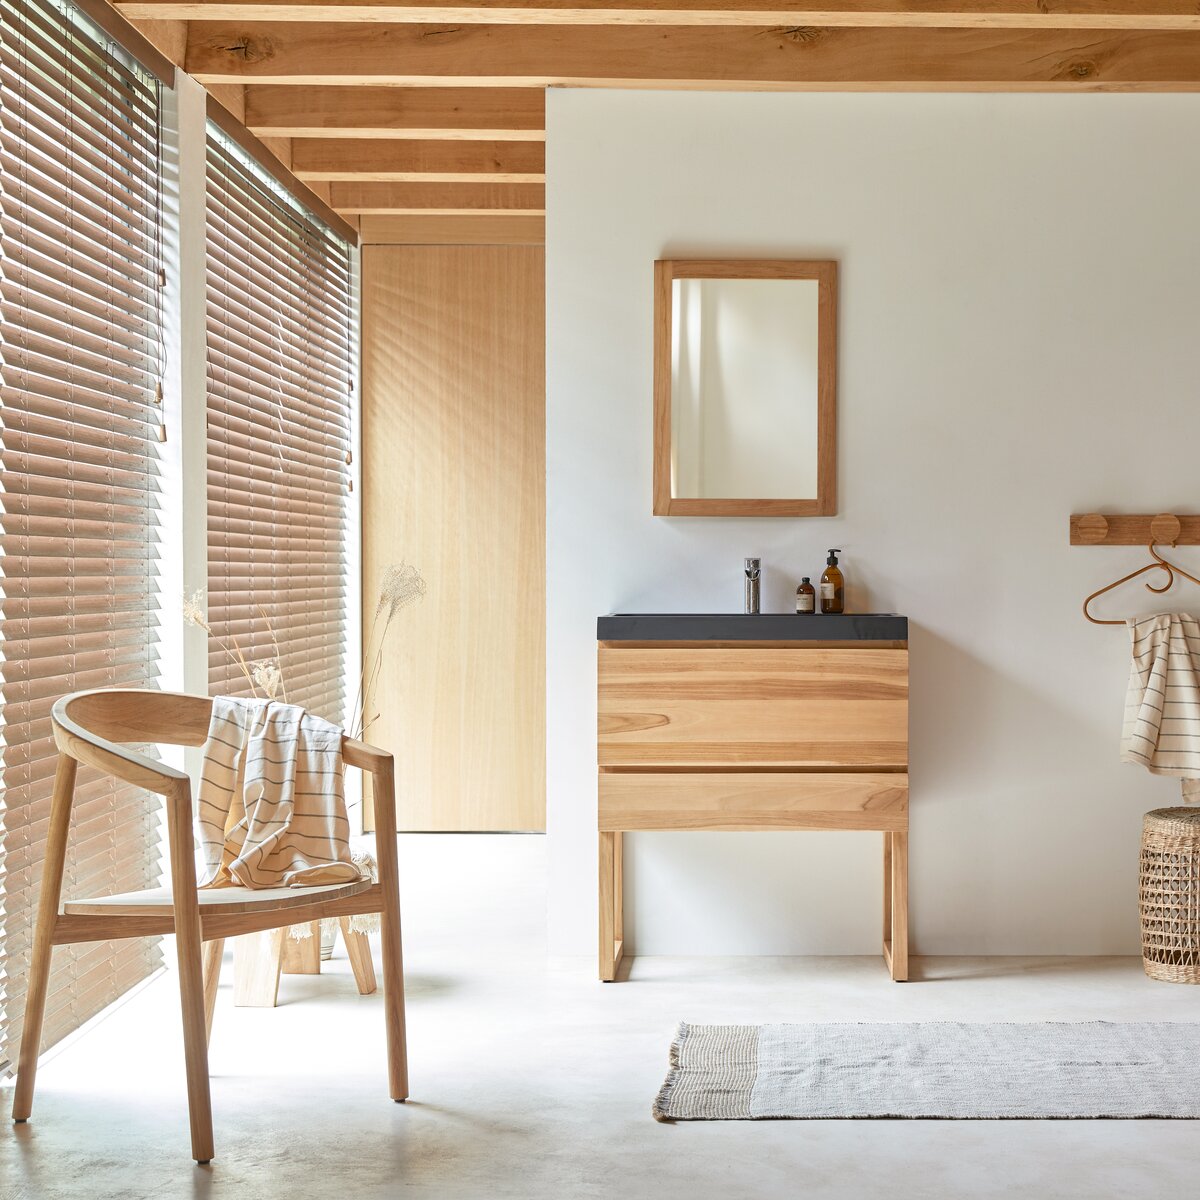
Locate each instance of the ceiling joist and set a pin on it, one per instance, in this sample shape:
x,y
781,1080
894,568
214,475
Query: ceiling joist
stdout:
x,y
424,118
458,199
483,228
419,161
442,114
881,14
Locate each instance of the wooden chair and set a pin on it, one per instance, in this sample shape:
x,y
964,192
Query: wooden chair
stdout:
x,y
88,728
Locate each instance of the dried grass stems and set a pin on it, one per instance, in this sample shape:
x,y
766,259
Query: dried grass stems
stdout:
x,y
402,585
264,676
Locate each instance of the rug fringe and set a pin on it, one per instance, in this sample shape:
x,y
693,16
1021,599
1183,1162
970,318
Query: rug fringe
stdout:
x,y
658,1109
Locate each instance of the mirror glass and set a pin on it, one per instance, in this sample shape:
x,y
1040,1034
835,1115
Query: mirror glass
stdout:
x,y
744,376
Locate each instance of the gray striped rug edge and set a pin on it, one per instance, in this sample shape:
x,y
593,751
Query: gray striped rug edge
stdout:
x,y
697,1051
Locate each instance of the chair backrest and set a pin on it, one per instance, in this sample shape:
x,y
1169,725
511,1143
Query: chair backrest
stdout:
x,y
138,715
97,727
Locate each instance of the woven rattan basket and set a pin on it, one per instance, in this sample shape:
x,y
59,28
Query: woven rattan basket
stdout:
x,y
1169,896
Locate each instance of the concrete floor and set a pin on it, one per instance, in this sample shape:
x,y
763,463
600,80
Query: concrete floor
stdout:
x,y
532,1080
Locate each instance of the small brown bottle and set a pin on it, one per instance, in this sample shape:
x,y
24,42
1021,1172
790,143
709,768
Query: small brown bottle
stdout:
x,y
833,598
806,596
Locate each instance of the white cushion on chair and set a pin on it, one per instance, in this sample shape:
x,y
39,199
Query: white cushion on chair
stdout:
x,y
157,901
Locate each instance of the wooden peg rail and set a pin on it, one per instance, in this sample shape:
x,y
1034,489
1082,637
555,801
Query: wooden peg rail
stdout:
x,y
1134,529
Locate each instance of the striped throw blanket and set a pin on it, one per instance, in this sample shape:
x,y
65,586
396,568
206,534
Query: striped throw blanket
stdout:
x,y
272,808
1162,705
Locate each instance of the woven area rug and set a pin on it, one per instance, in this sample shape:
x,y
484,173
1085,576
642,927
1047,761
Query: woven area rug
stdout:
x,y
942,1069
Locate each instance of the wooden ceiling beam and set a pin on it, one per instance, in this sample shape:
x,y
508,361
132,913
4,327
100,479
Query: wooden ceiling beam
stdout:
x,y
451,199
419,161
442,114
887,14
483,228
797,57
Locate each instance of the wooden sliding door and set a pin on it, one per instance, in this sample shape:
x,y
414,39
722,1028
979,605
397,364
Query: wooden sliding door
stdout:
x,y
453,470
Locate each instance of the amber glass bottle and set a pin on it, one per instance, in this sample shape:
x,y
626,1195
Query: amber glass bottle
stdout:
x,y
833,596
806,596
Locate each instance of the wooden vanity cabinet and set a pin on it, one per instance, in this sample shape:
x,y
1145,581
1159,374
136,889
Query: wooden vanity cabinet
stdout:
x,y
754,736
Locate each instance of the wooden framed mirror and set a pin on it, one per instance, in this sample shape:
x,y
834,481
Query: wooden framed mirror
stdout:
x,y
745,388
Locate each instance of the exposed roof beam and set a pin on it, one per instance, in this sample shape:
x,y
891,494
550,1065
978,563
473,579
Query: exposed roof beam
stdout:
x,y
417,162
454,199
928,14
491,114
662,56
477,229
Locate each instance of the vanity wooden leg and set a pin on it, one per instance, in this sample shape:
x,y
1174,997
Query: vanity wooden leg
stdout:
x,y
887,899
619,891
895,904
611,916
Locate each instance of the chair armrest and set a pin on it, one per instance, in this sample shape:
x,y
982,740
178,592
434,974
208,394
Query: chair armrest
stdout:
x,y
379,764
365,757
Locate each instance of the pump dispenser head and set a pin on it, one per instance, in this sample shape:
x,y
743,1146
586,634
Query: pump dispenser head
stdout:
x,y
832,559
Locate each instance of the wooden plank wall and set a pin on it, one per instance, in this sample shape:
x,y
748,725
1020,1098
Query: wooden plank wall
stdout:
x,y
453,469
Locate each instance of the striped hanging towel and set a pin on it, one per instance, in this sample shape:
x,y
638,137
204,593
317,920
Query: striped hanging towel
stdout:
x,y
272,808
1162,705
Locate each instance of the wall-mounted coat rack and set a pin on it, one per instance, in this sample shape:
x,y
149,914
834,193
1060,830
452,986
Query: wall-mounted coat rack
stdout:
x,y
1134,529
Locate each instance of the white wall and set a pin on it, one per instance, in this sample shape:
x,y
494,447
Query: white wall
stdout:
x,y
1020,286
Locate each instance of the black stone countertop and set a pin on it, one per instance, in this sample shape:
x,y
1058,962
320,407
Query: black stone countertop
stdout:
x,y
759,627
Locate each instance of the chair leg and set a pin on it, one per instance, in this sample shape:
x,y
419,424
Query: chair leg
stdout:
x,y
190,952
393,997
302,956
358,950
257,961
212,975
195,1043
43,949
393,959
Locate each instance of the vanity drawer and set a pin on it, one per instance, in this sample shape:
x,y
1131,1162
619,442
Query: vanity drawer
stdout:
x,y
731,707
749,800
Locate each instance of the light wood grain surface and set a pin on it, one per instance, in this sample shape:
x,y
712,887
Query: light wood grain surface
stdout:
x,y
441,229
745,801
453,482
768,57
925,14
730,707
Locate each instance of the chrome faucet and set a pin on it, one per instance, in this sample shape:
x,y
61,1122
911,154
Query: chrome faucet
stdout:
x,y
753,570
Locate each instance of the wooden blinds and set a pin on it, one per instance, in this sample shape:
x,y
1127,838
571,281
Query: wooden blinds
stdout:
x,y
80,358
280,373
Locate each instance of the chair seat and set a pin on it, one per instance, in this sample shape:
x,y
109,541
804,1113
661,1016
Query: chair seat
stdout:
x,y
157,901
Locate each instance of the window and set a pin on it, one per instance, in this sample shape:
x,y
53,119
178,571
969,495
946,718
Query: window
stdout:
x,y
280,374
80,368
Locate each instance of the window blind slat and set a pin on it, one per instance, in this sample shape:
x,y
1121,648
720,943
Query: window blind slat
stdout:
x,y
279,375
80,350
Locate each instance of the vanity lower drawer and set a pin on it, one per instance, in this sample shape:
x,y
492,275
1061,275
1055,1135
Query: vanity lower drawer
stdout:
x,y
744,800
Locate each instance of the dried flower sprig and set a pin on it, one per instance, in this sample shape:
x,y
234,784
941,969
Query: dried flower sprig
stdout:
x,y
265,674
401,586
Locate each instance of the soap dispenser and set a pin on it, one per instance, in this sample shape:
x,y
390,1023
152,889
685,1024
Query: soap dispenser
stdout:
x,y
833,597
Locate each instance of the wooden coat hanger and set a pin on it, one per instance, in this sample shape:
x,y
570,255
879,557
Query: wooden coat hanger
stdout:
x,y
1159,564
